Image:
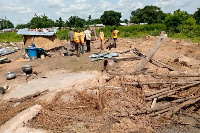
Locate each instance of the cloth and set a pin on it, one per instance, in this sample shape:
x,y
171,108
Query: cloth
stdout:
x,y
87,34
88,45
78,48
101,35
82,51
115,42
72,45
82,37
102,42
77,37
71,35
115,33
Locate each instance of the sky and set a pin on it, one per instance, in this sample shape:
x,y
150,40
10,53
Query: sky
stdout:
x,y
21,11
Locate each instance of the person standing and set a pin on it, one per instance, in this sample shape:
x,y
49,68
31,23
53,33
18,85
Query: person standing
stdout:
x,y
101,37
88,39
82,41
77,40
71,38
115,34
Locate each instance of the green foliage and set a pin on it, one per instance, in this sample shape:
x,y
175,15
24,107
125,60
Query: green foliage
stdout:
x,y
40,22
4,24
75,21
62,34
111,18
197,16
10,37
21,26
149,14
135,30
172,21
59,23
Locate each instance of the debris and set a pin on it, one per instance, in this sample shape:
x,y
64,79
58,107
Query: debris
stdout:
x,y
102,56
21,119
6,87
153,60
144,62
2,90
4,60
126,59
10,75
67,54
22,59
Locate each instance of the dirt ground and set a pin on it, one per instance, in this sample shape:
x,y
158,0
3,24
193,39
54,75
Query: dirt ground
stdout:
x,y
81,97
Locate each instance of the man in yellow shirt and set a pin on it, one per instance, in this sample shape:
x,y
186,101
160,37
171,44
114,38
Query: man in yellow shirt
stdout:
x,y
77,42
82,41
115,33
101,37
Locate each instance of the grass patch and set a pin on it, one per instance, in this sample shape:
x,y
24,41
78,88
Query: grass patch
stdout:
x,y
10,37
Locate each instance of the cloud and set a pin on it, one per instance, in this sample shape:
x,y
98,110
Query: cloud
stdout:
x,y
80,8
15,8
84,8
55,4
174,3
80,1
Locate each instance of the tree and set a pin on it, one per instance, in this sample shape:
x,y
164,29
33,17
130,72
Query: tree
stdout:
x,y
21,26
149,14
89,17
172,21
96,21
75,21
4,24
40,22
197,16
124,21
111,18
89,20
59,23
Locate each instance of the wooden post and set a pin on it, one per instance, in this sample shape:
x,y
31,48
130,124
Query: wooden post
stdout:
x,y
144,62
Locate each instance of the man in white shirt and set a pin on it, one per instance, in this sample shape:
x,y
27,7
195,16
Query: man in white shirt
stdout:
x,y
88,39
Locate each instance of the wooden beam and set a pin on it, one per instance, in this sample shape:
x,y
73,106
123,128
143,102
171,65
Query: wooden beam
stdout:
x,y
160,82
165,65
145,61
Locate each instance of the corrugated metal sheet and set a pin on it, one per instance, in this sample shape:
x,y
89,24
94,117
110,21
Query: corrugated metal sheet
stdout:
x,y
98,25
36,33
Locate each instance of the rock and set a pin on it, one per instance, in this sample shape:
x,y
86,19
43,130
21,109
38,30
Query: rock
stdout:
x,y
185,61
2,90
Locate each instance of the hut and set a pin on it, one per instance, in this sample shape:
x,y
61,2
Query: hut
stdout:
x,y
44,38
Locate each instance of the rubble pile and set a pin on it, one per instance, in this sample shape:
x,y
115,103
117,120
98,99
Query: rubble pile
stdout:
x,y
8,48
143,88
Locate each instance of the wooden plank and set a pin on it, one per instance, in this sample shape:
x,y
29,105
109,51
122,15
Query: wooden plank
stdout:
x,y
159,82
171,75
165,65
145,61
171,92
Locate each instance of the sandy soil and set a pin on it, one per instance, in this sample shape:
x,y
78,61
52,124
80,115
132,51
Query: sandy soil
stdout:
x,y
75,103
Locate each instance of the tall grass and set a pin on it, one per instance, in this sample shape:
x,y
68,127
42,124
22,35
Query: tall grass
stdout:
x,y
135,30
10,37
62,34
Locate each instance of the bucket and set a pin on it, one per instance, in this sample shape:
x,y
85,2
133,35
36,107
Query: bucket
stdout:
x,y
32,53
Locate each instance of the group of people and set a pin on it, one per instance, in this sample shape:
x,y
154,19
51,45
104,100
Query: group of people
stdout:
x,y
78,39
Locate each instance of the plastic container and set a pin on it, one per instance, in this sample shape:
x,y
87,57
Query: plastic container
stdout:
x,y
32,53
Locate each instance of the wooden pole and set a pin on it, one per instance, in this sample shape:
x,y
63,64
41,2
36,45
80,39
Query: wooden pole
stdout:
x,y
145,61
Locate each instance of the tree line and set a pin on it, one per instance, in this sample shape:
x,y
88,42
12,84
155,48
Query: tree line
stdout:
x,y
179,21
